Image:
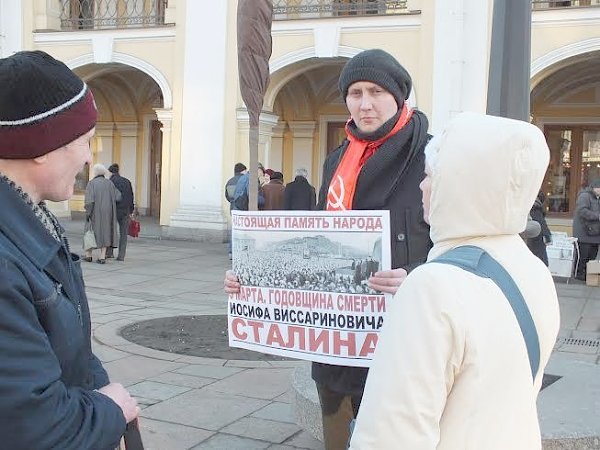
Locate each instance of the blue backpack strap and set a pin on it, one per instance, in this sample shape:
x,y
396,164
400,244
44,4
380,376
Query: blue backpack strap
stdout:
x,y
479,262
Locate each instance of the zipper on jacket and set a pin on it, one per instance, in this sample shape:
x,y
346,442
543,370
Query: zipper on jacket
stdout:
x,y
77,302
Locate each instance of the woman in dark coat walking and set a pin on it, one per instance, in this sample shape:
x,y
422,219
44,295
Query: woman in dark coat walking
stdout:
x,y
537,244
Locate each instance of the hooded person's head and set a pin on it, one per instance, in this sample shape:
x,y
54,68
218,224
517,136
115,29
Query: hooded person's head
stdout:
x,y
484,173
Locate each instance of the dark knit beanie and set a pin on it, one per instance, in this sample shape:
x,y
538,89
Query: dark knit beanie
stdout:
x,y
379,67
595,183
43,105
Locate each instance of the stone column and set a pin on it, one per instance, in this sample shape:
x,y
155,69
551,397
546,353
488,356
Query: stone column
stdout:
x,y
11,30
47,14
302,144
103,149
276,153
461,49
265,134
202,132
127,159
169,176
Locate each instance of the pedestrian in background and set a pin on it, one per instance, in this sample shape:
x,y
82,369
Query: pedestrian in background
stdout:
x,y
586,226
538,244
238,170
125,208
240,195
100,202
274,192
453,367
55,393
299,195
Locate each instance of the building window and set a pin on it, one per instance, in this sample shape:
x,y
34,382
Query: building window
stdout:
x,y
574,164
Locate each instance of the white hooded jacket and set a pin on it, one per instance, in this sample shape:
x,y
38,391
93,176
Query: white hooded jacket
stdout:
x,y
451,369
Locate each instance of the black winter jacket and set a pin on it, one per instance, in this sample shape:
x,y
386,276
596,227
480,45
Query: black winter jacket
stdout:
x,y
537,244
586,221
389,180
299,195
47,370
126,204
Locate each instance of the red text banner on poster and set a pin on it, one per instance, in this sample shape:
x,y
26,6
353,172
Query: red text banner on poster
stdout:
x,y
304,280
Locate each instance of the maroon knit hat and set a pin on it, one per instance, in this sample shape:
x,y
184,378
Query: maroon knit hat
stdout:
x,y
43,105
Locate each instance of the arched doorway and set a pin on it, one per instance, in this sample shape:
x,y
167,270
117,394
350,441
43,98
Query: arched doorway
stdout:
x,y
565,103
128,131
312,115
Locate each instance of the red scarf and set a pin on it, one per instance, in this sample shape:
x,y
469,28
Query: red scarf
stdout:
x,y
343,184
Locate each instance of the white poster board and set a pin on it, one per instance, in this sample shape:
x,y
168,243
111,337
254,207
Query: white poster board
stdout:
x,y
304,287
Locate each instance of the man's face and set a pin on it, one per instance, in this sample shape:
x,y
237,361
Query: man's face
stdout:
x,y
425,187
596,191
62,165
370,105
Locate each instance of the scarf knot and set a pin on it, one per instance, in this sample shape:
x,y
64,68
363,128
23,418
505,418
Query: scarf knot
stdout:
x,y
343,183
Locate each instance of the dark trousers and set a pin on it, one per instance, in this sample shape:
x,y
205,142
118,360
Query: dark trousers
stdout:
x,y
587,252
123,229
337,410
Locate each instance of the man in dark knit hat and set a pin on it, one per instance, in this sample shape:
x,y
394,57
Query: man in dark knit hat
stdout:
x,y
125,208
378,167
55,392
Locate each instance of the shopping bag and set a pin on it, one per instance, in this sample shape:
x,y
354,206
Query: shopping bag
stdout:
x,y
134,227
89,240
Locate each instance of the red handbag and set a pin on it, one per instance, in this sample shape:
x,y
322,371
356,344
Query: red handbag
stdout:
x,y
134,228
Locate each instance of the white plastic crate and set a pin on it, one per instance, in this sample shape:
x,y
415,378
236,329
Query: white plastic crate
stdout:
x,y
562,254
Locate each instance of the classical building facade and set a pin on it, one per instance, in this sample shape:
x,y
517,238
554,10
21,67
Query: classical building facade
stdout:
x,y
164,74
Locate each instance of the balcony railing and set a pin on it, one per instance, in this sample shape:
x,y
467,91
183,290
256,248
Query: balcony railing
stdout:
x,y
550,4
103,14
315,9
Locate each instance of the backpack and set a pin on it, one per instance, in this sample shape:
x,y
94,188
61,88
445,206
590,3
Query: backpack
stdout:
x,y
230,188
241,202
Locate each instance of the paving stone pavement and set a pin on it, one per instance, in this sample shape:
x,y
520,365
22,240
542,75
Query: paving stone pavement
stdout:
x,y
187,402
203,403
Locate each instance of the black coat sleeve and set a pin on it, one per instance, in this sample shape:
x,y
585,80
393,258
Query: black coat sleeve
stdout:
x,y
287,197
100,376
538,215
38,410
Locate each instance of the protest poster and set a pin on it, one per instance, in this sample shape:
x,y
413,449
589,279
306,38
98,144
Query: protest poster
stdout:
x,y
304,284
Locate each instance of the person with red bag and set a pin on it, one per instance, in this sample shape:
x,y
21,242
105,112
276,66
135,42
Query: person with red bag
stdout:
x,y
124,210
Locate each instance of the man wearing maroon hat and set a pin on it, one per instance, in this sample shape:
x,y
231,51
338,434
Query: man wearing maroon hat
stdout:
x,y
55,392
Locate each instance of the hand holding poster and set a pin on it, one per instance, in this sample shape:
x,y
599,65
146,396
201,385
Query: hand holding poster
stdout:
x,y
304,284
